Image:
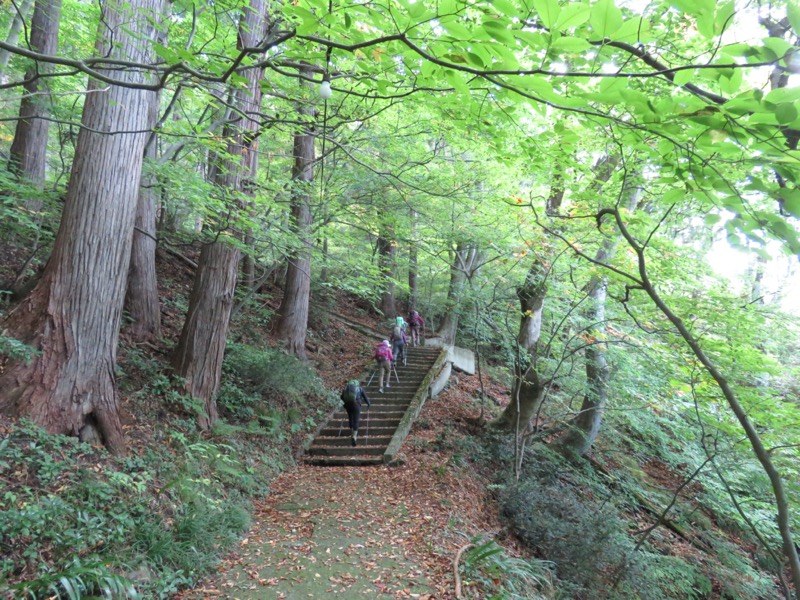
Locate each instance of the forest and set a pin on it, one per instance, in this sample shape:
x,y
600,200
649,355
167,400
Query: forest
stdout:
x,y
206,202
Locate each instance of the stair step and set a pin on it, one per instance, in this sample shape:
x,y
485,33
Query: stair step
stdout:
x,y
372,429
373,423
379,422
344,461
346,450
368,439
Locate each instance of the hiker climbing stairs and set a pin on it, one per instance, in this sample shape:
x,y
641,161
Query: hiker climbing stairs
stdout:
x,y
387,422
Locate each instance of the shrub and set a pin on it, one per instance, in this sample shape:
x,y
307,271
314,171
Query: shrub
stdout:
x,y
256,378
499,575
76,523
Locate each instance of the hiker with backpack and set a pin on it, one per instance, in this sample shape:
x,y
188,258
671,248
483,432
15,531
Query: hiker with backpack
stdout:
x,y
417,323
353,396
398,341
384,357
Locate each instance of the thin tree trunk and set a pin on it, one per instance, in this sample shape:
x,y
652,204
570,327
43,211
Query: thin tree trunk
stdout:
x,y
249,262
198,357
465,264
761,453
13,36
586,425
141,297
28,154
413,259
387,258
72,316
323,274
528,389
584,430
293,311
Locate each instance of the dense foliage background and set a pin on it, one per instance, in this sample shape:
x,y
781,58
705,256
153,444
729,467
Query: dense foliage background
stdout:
x,y
598,198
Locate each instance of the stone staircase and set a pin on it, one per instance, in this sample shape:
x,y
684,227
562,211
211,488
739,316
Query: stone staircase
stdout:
x,y
386,424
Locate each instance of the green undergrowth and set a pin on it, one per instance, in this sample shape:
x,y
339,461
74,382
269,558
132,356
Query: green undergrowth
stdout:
x,y
76,522
500,576
587,522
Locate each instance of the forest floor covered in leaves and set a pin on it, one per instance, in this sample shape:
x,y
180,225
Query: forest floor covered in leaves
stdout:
x,y
390,532
372,532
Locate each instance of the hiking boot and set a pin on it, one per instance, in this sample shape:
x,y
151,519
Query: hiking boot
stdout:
x,y
388,385
380,390
353,438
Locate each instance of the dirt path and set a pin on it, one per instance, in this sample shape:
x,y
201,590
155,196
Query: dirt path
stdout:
x,y
369,532
325,532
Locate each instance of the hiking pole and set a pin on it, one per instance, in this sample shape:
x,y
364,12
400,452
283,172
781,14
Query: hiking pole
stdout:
x,y
341,424
370,377
394,368
366,439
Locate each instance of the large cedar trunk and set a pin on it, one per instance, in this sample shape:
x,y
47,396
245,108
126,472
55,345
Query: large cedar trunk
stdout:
x,y
200,352
201,348
387,255
293,324
72,316
28,154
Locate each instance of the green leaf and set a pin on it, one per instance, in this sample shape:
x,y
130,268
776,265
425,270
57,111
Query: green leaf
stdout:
x,y
505,56
574,14
452,26
791,201
497,30
570,44
786,113
683,77
548,11
695,8
605,18
724,16
506,7
455,79
475,60
780,95
793,12
633,31
730,84
479,51
534,39
705,24
712,219
674,195
778,45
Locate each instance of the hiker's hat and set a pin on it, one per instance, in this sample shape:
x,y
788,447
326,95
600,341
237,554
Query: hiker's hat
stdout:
x,y
385,342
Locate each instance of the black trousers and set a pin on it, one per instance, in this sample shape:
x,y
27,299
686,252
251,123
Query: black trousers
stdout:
x,y
353,414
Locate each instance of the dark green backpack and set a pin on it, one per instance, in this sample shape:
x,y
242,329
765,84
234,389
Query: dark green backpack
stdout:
x,y
351,390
